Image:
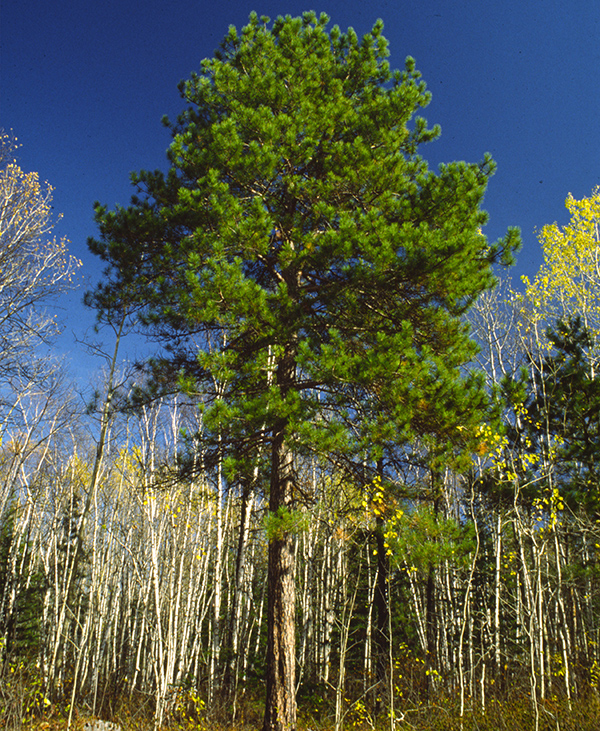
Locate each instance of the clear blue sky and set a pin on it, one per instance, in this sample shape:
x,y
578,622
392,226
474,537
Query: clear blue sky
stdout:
x,y
84,87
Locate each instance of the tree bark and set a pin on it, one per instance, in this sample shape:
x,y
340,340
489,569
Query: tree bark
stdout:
x,y
280,706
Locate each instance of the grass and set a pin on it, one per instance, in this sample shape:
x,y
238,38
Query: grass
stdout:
x,y
24,707
510,714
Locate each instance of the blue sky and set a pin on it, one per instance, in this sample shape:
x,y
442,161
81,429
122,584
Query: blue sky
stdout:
x,y
84,86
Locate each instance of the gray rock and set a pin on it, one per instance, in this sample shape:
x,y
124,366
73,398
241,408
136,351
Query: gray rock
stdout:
x,y
101,726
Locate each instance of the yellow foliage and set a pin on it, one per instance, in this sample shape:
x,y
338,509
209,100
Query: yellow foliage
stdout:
x,y
568,282
32,266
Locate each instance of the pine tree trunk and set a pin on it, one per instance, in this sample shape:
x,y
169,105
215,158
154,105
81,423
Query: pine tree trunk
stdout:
x,y
280,706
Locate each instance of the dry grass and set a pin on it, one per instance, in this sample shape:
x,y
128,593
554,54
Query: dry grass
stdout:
x,y
511,714
24,707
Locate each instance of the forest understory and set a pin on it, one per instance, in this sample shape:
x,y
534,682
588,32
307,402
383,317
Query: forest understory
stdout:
x,y
513,711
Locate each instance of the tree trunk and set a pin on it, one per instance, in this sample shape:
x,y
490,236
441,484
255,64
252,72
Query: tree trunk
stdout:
x,y
231,677
280,706
380,636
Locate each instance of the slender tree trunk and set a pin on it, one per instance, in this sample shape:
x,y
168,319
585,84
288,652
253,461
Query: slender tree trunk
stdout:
x,y
231,677
214,662
326,614
380,636
368,652
346,614
105,421
497,592
468,618
280,706
431,603
419,609
561,614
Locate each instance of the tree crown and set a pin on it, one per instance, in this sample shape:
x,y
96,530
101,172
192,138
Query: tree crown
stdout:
x,y
298,218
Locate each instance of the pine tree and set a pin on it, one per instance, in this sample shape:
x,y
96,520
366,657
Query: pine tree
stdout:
x,y
300,254
21,591
563,407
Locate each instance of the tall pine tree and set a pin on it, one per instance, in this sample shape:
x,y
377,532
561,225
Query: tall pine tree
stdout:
x,y
300,253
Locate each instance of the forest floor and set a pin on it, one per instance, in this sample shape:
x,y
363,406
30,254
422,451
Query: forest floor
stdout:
x,y
508,715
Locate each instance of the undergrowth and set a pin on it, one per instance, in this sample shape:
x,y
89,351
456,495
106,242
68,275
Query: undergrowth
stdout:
x,y
512,713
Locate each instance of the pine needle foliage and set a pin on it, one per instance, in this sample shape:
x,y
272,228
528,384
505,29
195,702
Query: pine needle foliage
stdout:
x,y
297,215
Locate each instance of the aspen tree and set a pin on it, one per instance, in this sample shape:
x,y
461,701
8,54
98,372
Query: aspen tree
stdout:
x,y
568,282
34,269
34,401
